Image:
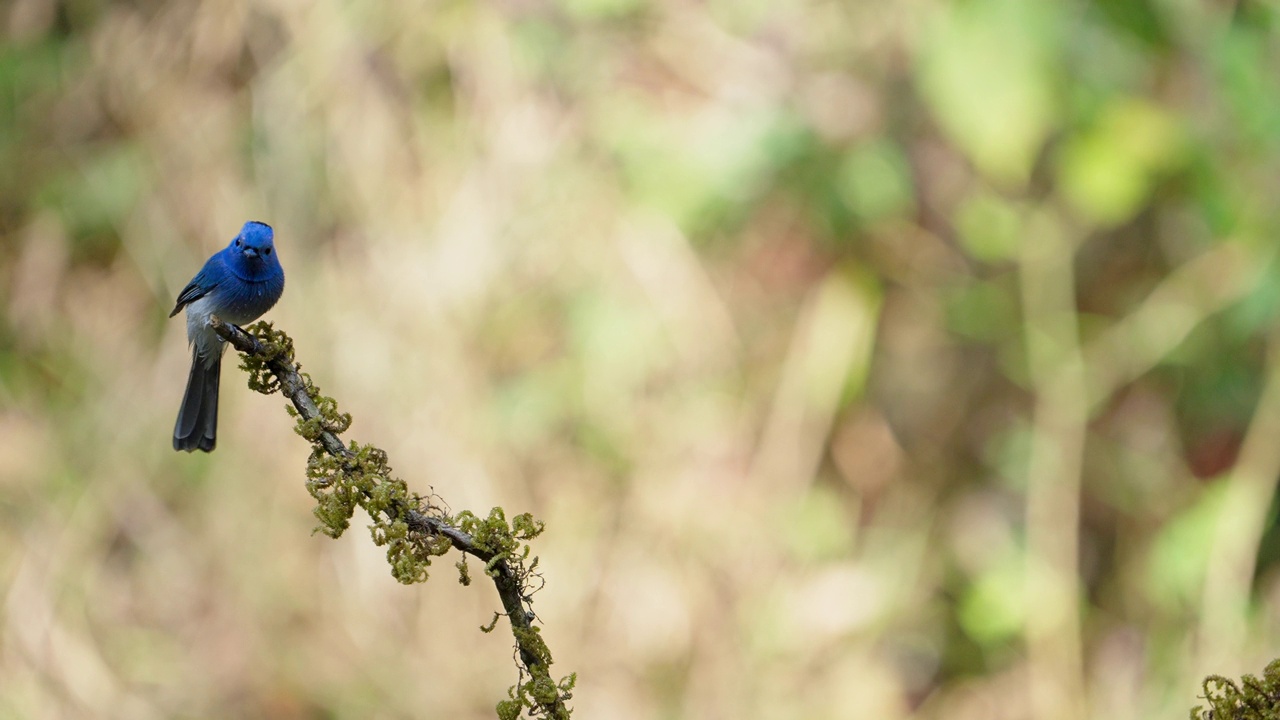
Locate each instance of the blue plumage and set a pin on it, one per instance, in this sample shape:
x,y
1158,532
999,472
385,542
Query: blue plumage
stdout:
x,y
238,284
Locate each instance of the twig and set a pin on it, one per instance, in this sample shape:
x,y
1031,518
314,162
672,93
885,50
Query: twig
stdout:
x,y
540,694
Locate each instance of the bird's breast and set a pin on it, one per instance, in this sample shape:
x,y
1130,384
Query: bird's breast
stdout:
x,y
245,302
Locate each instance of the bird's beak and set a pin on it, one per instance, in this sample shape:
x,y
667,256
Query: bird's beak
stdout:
x,y
250,252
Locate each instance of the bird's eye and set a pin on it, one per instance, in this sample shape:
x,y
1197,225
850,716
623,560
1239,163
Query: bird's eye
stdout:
x,y
267,251
237,242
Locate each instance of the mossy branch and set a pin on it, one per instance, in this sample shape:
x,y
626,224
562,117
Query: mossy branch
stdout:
x,y
414,528
1252,698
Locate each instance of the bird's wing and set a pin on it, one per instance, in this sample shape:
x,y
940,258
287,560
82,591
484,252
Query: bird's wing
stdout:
x,y
200,285
190,293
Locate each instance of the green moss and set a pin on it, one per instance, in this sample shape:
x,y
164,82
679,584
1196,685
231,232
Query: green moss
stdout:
x,y
1252,699
509,709
536,694
530,640
492,624
275,345
506,541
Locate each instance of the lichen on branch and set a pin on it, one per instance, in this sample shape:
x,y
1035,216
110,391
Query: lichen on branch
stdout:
x,y
413,528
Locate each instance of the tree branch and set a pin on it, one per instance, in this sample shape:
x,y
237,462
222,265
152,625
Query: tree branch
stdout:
x,y
415,530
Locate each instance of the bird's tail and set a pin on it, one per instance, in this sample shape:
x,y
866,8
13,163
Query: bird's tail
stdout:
x,y
197,425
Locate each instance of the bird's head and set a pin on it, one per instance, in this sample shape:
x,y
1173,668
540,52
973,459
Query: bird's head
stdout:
x,y
254,241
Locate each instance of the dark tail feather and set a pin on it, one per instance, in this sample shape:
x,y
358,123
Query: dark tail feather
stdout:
x,y
197,425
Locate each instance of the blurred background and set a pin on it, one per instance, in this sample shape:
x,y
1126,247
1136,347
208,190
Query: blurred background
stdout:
x,y
864,359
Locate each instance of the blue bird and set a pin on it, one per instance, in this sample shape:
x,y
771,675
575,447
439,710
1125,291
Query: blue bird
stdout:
x,y
238,284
